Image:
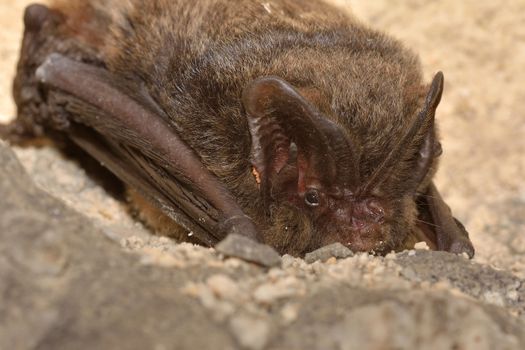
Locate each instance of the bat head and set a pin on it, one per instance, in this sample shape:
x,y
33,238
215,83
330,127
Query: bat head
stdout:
x,y
308,164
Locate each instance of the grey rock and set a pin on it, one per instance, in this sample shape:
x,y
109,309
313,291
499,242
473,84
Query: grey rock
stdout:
x,y
65,285
335,250
480,282
361,318
238,246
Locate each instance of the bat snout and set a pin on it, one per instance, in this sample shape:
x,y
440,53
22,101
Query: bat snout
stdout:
x,y
367,237
366,214
361,225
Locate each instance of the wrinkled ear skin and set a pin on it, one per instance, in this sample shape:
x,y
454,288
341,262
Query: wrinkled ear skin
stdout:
x,y
442,230
293,144
279,116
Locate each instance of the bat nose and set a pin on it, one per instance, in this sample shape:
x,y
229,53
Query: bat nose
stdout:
x,y
367,212
374,210
359,224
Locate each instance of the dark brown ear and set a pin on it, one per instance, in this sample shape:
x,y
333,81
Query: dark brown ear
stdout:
x,y
441,230
430,147
414,138
291,141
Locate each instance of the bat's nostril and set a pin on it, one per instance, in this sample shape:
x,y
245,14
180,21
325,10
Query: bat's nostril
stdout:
x,y
366,213
373,210
358,223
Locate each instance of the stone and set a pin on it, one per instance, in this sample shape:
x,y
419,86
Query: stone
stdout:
x,y
223,286
335,250
65,284
235,245
283,288
421,246
250,332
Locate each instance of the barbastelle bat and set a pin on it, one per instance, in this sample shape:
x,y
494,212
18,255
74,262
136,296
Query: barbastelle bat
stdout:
x,y
284,121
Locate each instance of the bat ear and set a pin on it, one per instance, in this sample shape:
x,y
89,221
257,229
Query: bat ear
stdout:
x,y
292,143
420,137
430,147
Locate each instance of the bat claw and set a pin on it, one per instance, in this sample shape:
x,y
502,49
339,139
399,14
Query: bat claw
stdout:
x,y
462,246
462,243
238,246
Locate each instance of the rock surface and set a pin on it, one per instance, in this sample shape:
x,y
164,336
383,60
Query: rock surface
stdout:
x,y
67,284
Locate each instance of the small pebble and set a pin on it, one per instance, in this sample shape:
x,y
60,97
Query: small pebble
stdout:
x,y
391,256
164,240
290,312
155,256
513,295
275,273
331,261
363,258
335,250
287,261
494,298
251,333
317,267
191,289
238,246
223,286
378,270
421,246
270,292
132,243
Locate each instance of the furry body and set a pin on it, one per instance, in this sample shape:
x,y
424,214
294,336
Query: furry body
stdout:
x,y
195,58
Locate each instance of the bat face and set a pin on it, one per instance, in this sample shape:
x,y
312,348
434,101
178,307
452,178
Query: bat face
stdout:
x,y
304,160
363,225
204,120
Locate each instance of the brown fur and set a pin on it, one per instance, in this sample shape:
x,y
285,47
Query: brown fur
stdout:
x,y
195,58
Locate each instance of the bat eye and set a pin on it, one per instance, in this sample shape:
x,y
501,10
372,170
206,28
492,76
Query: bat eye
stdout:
x,y
311,198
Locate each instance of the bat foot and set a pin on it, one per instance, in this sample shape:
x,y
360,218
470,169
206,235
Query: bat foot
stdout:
x,y
462,244
238,246
460,247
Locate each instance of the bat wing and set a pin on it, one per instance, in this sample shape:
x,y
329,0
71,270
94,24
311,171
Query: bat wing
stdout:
x,y
129,136
441,230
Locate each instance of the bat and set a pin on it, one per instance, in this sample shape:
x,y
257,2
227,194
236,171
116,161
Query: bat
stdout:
x,y
285,124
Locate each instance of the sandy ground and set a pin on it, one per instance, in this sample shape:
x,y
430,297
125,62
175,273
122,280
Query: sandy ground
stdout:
x,y
479,45
67,286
